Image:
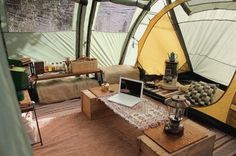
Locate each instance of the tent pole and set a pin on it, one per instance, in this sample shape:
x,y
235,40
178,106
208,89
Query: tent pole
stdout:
x,y
3,16
179,35
90,24
3,39
132,31
80,27
130,34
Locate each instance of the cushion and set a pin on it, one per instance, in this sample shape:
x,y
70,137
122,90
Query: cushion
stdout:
x,y
57,90
201,93
113,73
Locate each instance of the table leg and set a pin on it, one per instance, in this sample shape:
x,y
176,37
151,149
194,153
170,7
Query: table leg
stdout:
x,y
36,119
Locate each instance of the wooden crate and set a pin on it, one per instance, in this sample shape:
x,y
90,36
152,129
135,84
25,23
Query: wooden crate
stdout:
x,y
84,65
91,106
203,147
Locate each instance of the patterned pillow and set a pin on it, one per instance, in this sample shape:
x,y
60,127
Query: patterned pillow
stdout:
x,y
200,93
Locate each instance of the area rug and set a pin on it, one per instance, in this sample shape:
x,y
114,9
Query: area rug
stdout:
x,y
67,132
75,135
58,109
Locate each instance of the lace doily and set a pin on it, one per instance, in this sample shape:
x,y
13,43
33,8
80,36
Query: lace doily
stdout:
x,y
143,115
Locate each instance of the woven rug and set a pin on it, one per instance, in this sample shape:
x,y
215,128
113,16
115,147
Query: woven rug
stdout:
x,y
69,133
58,109
75,135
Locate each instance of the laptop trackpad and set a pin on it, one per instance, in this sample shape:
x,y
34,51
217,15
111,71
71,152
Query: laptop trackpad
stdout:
x,y
124,99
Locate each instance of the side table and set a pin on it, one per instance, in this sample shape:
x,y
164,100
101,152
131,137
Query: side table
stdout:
x,y
90,105
196,140
26,106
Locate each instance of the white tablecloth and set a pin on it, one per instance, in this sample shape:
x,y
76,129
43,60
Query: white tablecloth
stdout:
x,y
143,115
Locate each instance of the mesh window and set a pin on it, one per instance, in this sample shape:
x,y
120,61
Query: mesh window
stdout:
x,y
113,17
39,15
197,2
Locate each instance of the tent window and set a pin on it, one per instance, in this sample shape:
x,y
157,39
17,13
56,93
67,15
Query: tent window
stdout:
x,y
196,2
39,15
113,17
195,6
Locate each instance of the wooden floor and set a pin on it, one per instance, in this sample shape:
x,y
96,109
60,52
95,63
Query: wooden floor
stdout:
x,y
225,144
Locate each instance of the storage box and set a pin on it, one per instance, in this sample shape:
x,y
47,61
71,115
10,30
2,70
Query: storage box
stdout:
x,y
84,64
187,145
39,67
92,107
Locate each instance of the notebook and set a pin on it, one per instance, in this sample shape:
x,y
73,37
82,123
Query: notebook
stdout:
x,y
130,92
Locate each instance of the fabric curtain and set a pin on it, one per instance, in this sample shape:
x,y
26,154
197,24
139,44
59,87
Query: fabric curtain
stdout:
x,y
14,141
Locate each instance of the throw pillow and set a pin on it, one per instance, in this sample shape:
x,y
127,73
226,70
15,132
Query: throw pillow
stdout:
x,y
200,93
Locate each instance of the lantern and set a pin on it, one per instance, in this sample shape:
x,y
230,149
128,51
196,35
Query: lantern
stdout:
x,y
176,107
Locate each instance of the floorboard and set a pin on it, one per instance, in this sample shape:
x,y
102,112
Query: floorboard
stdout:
x,y
106,134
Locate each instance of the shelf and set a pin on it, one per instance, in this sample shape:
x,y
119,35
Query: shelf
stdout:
x,y
52,75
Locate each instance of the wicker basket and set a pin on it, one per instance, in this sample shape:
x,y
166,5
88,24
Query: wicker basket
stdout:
x,y
84,64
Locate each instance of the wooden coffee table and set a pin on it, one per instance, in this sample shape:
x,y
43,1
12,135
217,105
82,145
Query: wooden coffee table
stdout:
x,y
196,140
91,106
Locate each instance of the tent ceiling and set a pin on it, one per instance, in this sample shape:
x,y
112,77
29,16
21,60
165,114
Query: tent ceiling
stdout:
x,y
210,37
207,39
144,4
194,6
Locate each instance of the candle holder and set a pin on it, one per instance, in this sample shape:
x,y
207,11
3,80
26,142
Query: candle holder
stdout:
x,y
67,62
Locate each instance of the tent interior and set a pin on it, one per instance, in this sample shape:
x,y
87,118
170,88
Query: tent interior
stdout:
x,y
142,34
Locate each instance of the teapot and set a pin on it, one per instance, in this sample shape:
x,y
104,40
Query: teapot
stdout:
x,y
172,57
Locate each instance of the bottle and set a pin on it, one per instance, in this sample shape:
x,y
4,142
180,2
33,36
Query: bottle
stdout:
x,y
60,66
53,67
64,67
49,67
46,67
56,66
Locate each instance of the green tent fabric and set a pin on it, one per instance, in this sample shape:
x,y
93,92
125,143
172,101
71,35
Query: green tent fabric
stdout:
x,y
14,141
47,46
206,26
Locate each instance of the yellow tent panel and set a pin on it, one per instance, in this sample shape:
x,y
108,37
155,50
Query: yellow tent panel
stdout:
x,y
161,40
219,110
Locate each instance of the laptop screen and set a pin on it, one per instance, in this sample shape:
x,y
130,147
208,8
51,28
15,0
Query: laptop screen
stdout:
x,y
131,87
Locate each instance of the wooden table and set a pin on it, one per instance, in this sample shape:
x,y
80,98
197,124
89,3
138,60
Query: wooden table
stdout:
x,y
27,105
196,140
52,75
90,105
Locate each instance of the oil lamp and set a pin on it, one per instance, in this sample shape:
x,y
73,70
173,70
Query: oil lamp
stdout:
x,y
176,107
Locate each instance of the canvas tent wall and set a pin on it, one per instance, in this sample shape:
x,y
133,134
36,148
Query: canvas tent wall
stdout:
x,y
41,30
92,31
206,26
208,35
14,140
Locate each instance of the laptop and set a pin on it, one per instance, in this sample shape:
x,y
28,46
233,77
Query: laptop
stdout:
x,y
130,92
